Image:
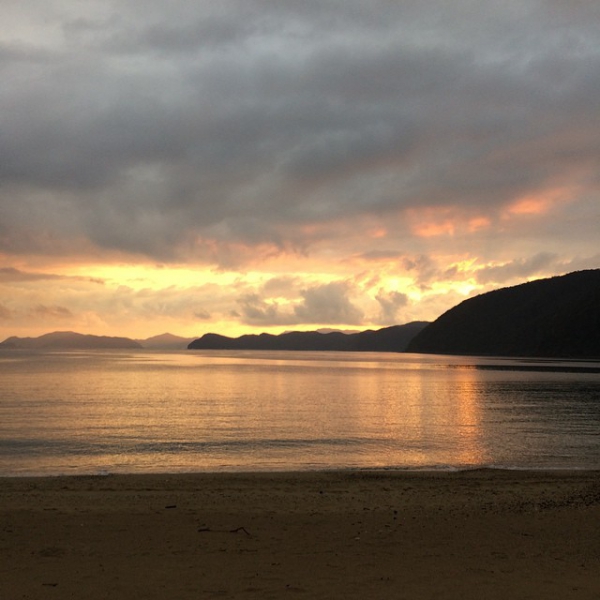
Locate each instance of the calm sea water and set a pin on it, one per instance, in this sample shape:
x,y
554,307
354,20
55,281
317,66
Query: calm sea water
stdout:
x,y
147,411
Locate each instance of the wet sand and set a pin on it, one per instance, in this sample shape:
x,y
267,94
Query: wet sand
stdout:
x,y
368,535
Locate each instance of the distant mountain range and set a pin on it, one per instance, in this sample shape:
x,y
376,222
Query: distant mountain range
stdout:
x,y
393,339
68,340
388,339
555,318
165,341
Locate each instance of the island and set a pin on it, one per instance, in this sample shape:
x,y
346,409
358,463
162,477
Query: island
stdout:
x,y
389,339
68,340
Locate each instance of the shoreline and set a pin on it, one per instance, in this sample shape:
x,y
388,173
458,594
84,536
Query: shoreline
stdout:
x,y
331,534
432,470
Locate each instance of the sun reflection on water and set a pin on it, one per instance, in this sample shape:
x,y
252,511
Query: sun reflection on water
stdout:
x,y
152,411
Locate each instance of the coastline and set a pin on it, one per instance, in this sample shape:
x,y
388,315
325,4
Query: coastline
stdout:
x,y
490,533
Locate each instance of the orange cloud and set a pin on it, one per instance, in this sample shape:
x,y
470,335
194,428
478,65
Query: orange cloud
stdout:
x,y
538,203
430,222
478,223
433,229
529,206
378,233
427,223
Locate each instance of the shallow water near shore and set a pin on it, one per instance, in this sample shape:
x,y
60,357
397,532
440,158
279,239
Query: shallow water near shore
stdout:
x,y
94,412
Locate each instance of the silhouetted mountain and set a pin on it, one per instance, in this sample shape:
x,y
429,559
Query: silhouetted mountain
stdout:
x,y
165,341
330,330
556,317
68,340
389,339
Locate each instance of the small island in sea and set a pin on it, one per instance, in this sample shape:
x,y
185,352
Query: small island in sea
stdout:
x,y
388,339
63,340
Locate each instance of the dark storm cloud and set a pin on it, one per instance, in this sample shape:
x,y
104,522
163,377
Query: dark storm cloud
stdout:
x,y
152,127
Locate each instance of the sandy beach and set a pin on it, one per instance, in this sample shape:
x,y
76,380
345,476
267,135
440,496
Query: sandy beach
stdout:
x,y
476,534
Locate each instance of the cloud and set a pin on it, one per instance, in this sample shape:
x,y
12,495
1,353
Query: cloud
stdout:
x,y
50,312
520,269
323,304
426,270
390,303
581,263
202,315
10,274
283,287
256,311
5,313
167,131
329,304
105,305
323,154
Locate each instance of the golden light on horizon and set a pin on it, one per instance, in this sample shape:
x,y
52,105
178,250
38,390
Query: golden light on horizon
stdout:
x,y
138,276
241,182
285,292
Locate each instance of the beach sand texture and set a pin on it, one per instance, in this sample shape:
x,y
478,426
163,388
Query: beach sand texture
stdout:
x,y
475,534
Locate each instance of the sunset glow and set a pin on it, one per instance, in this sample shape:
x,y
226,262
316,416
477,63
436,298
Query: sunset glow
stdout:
x,y
195,168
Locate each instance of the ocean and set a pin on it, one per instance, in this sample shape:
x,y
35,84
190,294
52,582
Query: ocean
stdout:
x,y
100,412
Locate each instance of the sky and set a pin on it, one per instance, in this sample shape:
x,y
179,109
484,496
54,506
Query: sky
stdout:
x,y
258,165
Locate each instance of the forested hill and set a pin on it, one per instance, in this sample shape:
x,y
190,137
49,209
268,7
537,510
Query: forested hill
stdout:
x,y
556,317
388,339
